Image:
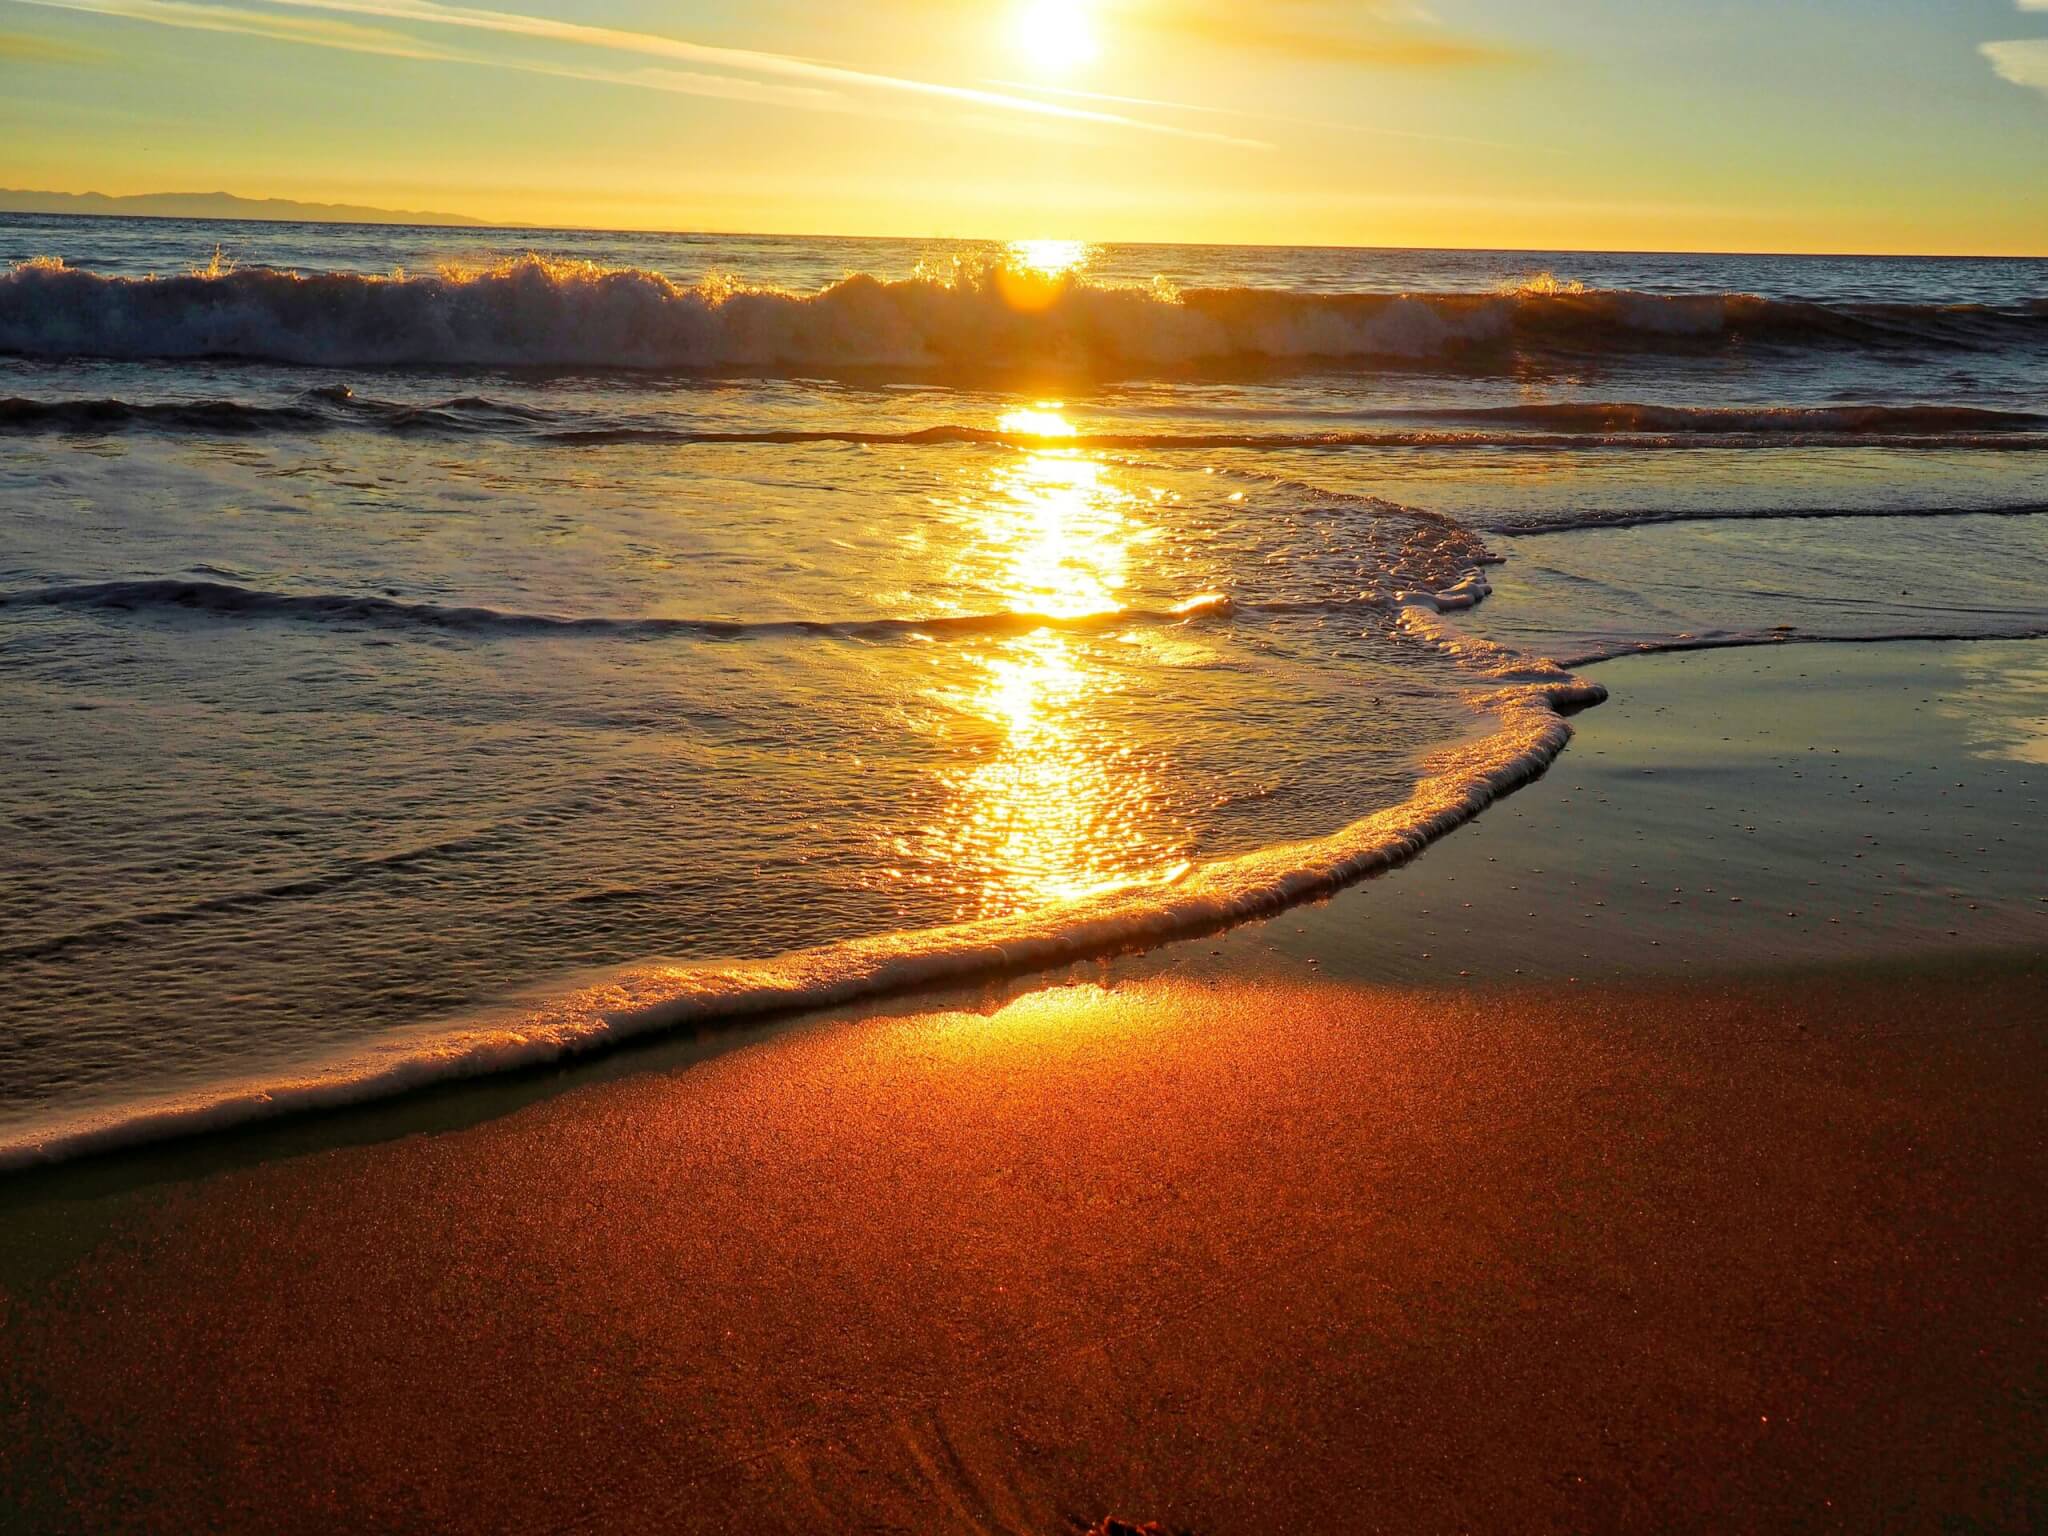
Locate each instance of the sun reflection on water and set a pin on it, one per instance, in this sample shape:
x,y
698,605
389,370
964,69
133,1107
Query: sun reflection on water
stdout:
x,y
1047,258
1057,535
1043,420
1058,799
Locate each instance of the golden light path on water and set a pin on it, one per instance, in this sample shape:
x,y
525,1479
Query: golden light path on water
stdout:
x,y
1057,800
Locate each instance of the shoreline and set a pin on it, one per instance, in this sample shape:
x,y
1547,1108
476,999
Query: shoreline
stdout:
x,y
564,1030
1528,707
1390,1212
1234,1256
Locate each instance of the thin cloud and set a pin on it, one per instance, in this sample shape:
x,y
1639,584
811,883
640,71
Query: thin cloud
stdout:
x,y
681,82
194,15
348,37
1375,35
1252,115
816,94
740,60
2023,61
26,48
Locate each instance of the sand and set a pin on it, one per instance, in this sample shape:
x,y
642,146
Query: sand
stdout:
x,y
1727,811
1234,1237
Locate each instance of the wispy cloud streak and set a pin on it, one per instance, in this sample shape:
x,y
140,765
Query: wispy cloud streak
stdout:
x,y
349,37
823,85
195,15
1374,34
1251,114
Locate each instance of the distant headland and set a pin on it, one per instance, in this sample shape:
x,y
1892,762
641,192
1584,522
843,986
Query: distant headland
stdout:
x,y
220,205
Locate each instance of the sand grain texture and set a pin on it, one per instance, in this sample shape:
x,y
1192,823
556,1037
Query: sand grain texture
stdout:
x,y
1236,1257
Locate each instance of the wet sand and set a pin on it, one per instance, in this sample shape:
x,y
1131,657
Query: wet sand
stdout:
x,y
1727,811
1281,1232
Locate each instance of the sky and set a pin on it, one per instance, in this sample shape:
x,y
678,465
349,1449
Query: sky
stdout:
x,y
1725,125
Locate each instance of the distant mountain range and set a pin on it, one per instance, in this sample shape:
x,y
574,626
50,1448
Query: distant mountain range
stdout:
x,y
220,205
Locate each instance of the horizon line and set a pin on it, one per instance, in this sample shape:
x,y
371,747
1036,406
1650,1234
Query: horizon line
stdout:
x,y
481,224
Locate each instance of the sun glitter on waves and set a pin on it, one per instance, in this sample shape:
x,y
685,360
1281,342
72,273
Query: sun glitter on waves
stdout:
x,y
1058,801
1059,532
1042,420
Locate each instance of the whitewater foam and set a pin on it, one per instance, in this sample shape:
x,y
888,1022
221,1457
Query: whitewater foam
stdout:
x,y
535,312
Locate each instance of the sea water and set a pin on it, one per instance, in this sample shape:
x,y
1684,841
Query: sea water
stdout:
x,y
424,651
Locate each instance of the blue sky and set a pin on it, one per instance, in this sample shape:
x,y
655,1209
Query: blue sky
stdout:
x,y
1821,125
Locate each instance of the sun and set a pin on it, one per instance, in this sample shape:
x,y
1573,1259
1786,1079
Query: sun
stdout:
x,y
1055,35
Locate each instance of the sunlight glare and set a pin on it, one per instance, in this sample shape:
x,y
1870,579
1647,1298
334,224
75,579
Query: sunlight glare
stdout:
x,y
1042,420
1033,274
1058,802
1047,258
1055,35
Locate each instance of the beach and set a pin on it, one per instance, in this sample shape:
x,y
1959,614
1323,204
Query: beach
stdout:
x,y
1059,768
1391,1213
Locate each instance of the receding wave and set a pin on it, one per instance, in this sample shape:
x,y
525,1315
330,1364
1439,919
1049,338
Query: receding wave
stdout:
x,y
2017,626
1526,698
1529,525
108,415
2011,433
316,411
534,312
347,872
229,600
1560,426
1753,420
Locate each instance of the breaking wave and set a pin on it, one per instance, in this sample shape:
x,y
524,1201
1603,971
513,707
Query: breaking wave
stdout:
x,y
535,312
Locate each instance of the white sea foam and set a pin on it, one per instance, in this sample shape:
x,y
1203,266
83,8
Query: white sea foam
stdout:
x,y
1525,698
531,311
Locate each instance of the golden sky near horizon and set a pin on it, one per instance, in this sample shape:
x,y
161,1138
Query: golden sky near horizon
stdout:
x,y
1872,125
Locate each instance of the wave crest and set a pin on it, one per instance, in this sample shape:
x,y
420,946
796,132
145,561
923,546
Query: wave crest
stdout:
x,y
531,311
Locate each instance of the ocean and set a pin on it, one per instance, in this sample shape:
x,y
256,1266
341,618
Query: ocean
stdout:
x,y
429,651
